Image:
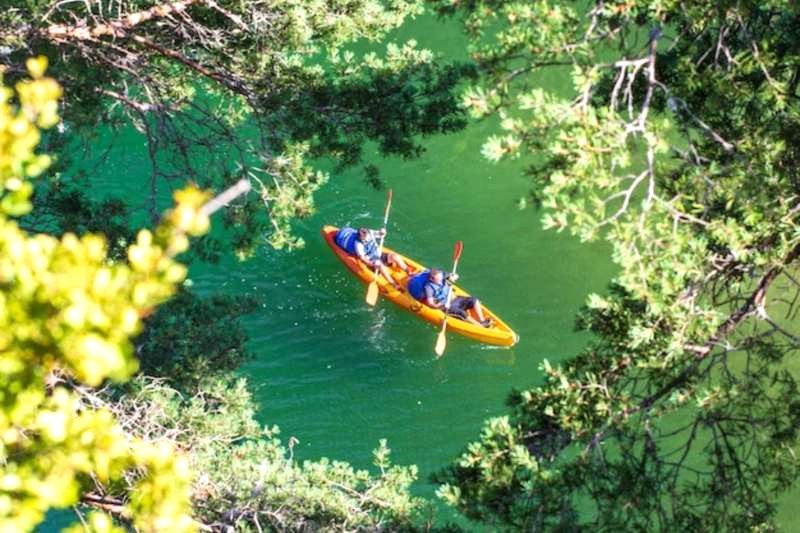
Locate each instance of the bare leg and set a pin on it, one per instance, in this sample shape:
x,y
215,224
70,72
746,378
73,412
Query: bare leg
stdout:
x,y
479,310
388,276
465,317
481,321
394,259
471,320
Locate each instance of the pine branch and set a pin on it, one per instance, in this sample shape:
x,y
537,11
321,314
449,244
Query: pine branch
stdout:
x,y
115,28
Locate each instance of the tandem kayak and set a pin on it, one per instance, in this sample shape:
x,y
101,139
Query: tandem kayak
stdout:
x,y
499,334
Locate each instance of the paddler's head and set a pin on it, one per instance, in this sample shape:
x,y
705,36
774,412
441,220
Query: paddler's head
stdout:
x,y
437,276
364,235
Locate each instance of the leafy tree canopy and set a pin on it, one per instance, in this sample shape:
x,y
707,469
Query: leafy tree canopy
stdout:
x,y
223,89
145,455
67,315
191,337
246,479
679,145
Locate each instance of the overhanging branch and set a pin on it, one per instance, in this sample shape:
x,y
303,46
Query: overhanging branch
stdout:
x,y
115,28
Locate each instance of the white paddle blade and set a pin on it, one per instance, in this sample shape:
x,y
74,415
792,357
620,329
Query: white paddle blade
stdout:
x,y
372,293
441,344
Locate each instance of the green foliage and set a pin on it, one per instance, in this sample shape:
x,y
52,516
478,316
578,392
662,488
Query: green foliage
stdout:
x,y
228,89
67,314
247,479
679,146
64,207
190,337
20,135
219,91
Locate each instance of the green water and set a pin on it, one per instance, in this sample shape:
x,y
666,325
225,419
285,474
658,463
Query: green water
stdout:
x,y
339,375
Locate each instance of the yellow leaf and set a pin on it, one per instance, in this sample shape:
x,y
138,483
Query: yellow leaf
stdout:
x,y
37,66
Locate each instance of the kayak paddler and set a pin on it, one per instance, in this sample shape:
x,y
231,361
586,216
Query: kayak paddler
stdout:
x,y
430,287
362,243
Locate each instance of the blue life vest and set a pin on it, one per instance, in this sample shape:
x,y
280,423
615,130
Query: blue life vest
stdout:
x,y
416,287
346,239
371,249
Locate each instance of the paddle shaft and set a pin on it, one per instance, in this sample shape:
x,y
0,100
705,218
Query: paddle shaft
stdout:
x,y
441,339
456,256
385,222
372,290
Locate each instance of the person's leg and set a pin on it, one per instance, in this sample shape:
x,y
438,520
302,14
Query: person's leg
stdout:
x,y
459,307
395,260
478,310
468,303
482,320
385,272
388,275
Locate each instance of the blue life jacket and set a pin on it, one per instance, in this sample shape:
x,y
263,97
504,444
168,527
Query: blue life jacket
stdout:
x,y
416,287
371,249
346,239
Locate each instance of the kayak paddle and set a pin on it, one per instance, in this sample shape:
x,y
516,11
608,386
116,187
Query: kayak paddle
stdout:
x,y
372,290
441,340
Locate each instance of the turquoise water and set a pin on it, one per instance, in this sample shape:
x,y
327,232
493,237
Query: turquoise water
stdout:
x,y
339,375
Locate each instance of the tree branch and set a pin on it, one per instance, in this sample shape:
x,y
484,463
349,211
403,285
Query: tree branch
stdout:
x,y
115,28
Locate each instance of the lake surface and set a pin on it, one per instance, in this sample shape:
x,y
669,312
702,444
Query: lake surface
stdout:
x,y
339,375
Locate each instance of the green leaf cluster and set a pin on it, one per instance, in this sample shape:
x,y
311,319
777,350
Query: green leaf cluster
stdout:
x,y
67,315
678,145
247,479
229,90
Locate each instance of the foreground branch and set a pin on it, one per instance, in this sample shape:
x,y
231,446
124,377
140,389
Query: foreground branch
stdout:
x,y
115,28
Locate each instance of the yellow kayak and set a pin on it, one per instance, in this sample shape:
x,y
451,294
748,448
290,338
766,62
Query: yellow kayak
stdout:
x,y
499,334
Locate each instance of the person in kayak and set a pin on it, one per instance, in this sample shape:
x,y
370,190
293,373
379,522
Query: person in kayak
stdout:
x,y
431,288
363,244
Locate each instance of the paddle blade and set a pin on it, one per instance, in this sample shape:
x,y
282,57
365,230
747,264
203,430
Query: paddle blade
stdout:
x,y
372,293
457,250
441,344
